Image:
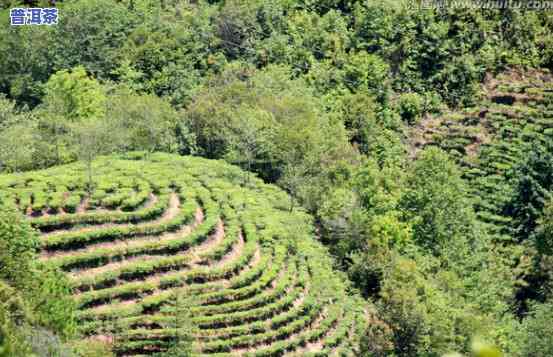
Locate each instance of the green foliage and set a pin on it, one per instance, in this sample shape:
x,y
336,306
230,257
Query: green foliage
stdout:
x,y
436,201
143,122
33,297
237,28
265,120
480,349
54,306
410,107
18,152
102,25
535,341
90,139
427,289
533,182
18,243
13,312
367,72
168,51
73,96
8,111
544,235
17,137
447,50
224,262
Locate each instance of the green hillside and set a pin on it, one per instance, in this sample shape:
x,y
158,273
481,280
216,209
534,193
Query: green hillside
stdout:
x,y
495,139
368,178
168,248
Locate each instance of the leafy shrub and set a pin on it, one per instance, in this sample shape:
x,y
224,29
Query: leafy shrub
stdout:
x,y
18,246
410,107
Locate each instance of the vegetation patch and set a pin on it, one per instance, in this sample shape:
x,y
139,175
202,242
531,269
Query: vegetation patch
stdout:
x,y
171,246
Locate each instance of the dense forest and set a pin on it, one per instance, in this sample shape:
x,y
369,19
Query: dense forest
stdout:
x,y
412,148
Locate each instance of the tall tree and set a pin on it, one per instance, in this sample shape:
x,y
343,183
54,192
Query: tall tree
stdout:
x,y
533,184
436,201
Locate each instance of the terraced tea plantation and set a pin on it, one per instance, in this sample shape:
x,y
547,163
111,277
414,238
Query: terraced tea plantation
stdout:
x,y
514,118
179,246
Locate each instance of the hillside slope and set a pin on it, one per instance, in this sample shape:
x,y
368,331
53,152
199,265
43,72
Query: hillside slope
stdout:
x,y
493,140
176,246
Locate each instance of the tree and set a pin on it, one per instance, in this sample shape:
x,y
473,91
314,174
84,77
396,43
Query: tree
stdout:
x,y
283,120
17,148
18,246
35,301
180,309
8,112
249,140
544,234
91,138
425,317
292,180
538,279
367,73
533,183
237,29
71,97
437,201
536,341
91,34
480,349
13,313
18,135
142,122
54,306
410,107
74,96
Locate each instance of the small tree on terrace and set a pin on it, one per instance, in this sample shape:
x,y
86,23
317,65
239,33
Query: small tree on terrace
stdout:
x,y
292,179
90,139
179,308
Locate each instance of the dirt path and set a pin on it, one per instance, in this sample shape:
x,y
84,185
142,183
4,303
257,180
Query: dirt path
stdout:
x,y
213,241
91,272
83,206
235,253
